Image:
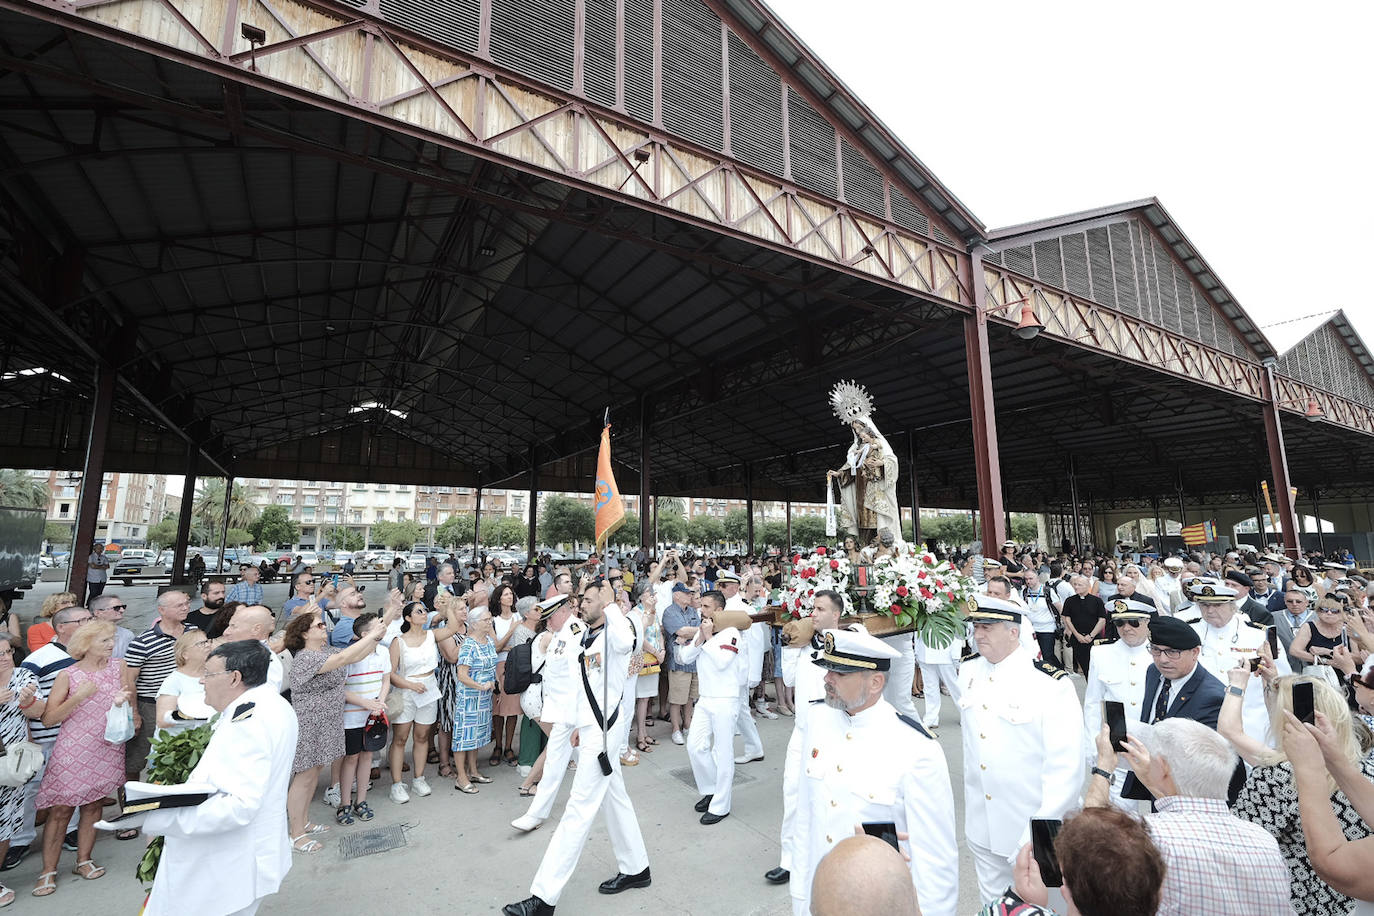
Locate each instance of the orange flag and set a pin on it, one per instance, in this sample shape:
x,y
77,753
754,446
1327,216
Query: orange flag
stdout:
x,y
610,508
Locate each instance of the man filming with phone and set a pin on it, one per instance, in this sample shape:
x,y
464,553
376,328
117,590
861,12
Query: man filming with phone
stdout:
x,y
1117,675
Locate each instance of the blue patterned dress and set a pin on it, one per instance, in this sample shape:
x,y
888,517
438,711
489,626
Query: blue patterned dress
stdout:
x,y
472,711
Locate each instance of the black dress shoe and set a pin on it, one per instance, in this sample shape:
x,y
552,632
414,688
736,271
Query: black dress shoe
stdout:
x,y
703,804
708,818
777,875
530,906
14,857
623,882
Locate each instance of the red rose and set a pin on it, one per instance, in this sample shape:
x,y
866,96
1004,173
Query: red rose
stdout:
x,y
820,551
903,591
926,593
810,572
798,602
796,559
810,592
921,574
834,564
896,609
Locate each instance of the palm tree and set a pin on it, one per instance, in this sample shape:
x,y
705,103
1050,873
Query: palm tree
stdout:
x,y
21,490
208,508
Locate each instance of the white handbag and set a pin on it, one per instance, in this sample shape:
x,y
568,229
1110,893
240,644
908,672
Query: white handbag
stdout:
x,y
532,700
119,723
19,762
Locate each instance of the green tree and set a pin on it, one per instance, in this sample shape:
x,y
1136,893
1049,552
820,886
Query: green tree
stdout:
x,y
771,534
705,530
627,535
669,504
455,532
163,534
952,529
672,527
341,538
21,490
563,520
208,506
273,527
239,537
737,525
498,531
1023,527
809,531
396,535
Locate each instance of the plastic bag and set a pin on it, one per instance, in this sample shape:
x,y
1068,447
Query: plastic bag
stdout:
x,y
119,723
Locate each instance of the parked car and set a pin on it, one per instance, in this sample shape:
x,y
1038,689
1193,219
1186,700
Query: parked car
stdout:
x,y
416,562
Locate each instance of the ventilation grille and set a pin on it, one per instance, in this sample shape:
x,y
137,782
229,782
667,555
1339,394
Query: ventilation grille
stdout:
x,y
534,37
639,59
692,98
1123,266
863,186
813,147
1100,267
906,215
1047,262
1074,249
453,23
1322,359
755,109
598,71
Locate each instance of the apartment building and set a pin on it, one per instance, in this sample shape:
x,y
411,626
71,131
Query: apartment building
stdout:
x,y
129,503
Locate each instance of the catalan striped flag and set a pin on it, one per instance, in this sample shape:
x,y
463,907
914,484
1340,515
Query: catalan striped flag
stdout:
x,y
1199,534
610,508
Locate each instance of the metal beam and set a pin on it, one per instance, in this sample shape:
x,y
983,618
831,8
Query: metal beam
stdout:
x,y
983,409
645,470
188,495
92,480
1278,463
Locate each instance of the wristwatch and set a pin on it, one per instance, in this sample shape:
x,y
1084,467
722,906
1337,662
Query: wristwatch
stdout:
x,y
1235,691
1110,777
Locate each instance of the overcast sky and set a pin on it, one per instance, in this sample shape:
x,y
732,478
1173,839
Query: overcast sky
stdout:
x,y
1249,122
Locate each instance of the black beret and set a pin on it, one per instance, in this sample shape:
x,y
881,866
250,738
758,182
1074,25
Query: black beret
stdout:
x,y
1172,633
1235,575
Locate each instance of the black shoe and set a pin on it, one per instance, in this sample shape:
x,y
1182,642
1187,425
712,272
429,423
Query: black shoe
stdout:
x,y
531,906
703,804
69,841
14,857
777,875
708,818
623,882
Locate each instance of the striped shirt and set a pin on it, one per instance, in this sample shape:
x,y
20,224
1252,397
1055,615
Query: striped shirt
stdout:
x,y
153,653
46,663
364,679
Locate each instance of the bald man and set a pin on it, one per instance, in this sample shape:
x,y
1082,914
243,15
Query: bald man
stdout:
x,y
862,874
255,621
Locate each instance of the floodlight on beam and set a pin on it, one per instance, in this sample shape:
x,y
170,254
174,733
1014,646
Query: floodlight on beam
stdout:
x,y
255,36
1311,412
1028,327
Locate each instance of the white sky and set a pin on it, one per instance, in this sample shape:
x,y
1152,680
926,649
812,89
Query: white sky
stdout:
x,y
1249,121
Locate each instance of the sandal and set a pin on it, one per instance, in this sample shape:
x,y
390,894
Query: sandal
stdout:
x,y
130,834
528,791
649,739
315,829
47,883
92,871
468,789
431,757
363,811
495,760
511,759
643,746
308,846
648,721
629,760
446,771
478,777
344,815
6,896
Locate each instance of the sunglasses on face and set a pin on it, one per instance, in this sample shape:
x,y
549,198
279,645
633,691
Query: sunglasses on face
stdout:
x,y
117,607
1130,623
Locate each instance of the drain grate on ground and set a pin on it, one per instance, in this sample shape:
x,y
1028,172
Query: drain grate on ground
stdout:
x,y
684,775
367,842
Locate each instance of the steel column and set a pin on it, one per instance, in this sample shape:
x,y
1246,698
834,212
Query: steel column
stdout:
x,y
1159,526
92,480
915,487
1073,501
534,506
1259,518
1317,515
477,527
749,506
654,551
224,528
645,475
787,512
1092,524
982,407
188,496
1278,463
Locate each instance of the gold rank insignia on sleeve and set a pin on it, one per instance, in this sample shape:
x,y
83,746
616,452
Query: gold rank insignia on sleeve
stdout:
x,y
1045,667
242,711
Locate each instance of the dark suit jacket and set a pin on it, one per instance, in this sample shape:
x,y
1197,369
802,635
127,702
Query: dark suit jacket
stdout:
x,y
432,589
1198,699
1257,612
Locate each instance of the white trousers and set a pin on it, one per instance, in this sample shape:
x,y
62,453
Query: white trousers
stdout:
x,y
744,724
559,752
994,873
711,749
902,674
591,792
933,676
791,776
627,715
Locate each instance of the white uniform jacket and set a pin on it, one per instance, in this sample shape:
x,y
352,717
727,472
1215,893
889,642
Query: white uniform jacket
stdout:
x,y
231,849
1023,748
1117,673
875,766
721,662
1222,649
562,684
606,662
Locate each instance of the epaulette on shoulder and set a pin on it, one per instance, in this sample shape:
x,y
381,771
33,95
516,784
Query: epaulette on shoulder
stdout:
x,y
1045,667
1257,626
916,725
574,626
970,657
1104,641
1191,620
242,711
820,700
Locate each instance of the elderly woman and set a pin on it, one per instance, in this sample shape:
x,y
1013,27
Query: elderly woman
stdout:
x,y
531,738
476,676
181,700
317,695
19,702
42,633
84,767
1269,797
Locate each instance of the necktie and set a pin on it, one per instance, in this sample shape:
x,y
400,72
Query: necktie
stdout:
x,y
1162,704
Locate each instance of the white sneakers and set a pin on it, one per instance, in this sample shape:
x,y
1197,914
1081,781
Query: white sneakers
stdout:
x,y
525,823
762,706
399,794
420,786
678,739
332,797
747,758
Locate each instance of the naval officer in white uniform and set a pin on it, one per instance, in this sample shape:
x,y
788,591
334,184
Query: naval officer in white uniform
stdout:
x,y
727,583
1117,674
1023,742
865,762
1228,638
223,856
603,663
721,660
560,683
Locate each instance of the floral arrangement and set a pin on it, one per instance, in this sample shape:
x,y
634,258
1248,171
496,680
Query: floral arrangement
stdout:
x,y
810,574
174,755
921,594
